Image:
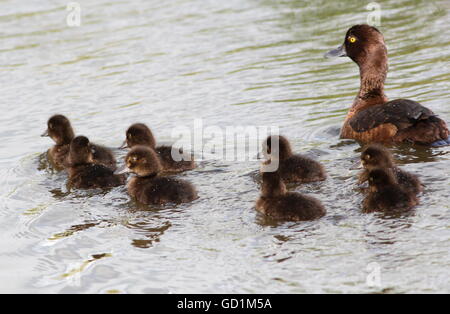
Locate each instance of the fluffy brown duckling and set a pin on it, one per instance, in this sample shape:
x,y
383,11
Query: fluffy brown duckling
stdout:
x,y
140,134
84,173
372,118
149,188
277,203
292,167
377,156
385,194
60,130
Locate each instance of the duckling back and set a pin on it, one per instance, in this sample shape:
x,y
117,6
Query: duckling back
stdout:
x,y
408,181
161,190
169,164
301,169
291,206
103,156
91,176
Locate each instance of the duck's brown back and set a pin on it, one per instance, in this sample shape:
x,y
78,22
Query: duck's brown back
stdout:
x,y
400,120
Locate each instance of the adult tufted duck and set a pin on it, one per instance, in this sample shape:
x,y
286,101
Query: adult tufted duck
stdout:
x,y
372,118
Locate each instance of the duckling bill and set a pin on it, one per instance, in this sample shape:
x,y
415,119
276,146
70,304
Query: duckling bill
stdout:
x,y
84,173
277,203
140,134
147,186
60,130
372,118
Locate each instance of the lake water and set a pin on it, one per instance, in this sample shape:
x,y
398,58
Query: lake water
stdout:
x,y
229,63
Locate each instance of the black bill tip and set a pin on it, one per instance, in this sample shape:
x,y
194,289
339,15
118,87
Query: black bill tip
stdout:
x,y
338,52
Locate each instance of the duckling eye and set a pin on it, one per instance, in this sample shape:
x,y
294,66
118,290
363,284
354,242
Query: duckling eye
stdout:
x,y
368,157
352,39
50,126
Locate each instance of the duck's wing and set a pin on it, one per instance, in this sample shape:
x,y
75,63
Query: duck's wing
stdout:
x,y
403,113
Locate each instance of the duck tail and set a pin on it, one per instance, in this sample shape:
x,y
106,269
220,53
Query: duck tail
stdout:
x,y
441,143
443,134
432,131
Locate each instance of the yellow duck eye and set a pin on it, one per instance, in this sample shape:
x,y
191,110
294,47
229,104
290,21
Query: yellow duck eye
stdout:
x,y
352,39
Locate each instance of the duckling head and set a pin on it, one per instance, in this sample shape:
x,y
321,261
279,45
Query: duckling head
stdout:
x,y
376,156
142,161
59,130
379,178
277,147
139,134
81,151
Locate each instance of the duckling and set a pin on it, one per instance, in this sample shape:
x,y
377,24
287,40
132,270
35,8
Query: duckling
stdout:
x,y
372,118
147,187
292,168
377,156
140,134
84,173
385,194
61,132
279,204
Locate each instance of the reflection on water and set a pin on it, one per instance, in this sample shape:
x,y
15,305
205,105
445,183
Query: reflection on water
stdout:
x,y
83,266
150,232
229,63
73,229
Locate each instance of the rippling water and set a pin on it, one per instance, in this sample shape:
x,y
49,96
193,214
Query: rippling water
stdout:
x,y
232,62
